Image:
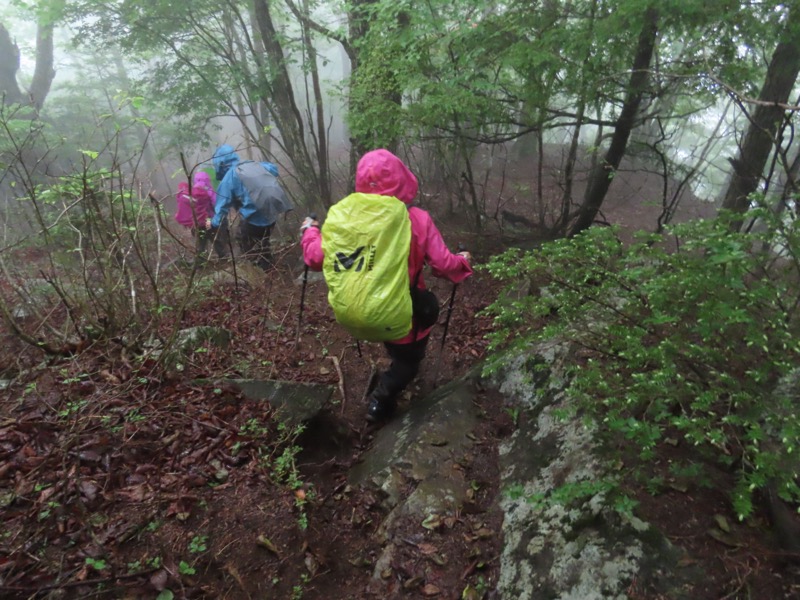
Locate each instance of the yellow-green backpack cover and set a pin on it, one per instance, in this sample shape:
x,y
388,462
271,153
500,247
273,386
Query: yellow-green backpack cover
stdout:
x,y
366,239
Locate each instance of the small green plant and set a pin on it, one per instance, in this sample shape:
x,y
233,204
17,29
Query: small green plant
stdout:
x,y
482,587
298,590
76,379
44,514
284,468
154,562
185,568
134,416
152,526
73,406
134,567
513,412
254,428
98,564
198,544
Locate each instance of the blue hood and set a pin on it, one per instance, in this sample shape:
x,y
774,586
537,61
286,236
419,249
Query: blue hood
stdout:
x,y
225,157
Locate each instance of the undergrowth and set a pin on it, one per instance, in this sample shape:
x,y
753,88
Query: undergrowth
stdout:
x,y
686,340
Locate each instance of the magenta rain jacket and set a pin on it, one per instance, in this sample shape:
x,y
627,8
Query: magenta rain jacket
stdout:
x,y
381,172
200,205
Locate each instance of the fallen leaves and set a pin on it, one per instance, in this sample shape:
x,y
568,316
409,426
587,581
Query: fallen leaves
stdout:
x,y
122,460
73,473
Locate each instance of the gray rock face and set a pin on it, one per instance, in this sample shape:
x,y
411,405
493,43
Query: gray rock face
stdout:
x,y
782,408
188,340
421,447
581,550
295,402
244,273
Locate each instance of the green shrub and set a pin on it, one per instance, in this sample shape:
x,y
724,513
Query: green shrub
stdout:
x,y
687,342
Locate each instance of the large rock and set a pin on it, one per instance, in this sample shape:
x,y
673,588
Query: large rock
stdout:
x,y
419,450
295,402
420,446
583,549
244,273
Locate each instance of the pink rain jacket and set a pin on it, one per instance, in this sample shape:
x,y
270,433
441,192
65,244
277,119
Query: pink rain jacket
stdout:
x,y
199,205
381,172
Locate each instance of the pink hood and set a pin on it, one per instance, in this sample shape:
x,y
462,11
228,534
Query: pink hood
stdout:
x,y
193,210
202,178
203,191
381,172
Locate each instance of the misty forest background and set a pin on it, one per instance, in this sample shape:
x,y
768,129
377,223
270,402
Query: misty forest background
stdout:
x,y
689,327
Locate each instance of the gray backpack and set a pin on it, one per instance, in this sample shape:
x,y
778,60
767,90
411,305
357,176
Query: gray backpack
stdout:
x,y
265,192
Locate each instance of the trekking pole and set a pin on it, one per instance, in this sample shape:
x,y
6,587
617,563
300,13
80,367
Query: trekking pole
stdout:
x,y
312,216
461,248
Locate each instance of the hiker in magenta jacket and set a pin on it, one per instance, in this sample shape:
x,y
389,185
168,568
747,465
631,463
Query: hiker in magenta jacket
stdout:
x,y
381,172
195,208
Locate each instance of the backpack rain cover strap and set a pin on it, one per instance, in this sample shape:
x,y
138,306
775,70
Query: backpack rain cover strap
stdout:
x,y
265,192
366,239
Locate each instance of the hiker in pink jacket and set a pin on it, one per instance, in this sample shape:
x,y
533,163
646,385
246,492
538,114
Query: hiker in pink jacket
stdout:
x,y
193,210
381,172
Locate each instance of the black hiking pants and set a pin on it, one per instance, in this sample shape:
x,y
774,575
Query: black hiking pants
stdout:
x,y
406,359
218,238
255,244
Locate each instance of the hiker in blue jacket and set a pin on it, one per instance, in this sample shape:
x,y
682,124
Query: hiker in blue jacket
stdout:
x,y
253,190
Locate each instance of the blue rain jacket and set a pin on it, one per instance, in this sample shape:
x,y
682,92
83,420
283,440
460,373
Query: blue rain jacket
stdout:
x,y
231,193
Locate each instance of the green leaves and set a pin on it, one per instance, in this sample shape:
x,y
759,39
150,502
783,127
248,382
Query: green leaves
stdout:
x,y
685,343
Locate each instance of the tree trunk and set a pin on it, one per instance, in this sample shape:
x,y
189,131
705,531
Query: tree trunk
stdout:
x,y
358,27
601,176
44,73
760,137
321,138
9,89
260,110
283,105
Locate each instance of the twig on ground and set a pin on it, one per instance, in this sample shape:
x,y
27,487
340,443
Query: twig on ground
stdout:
x,y
368,387
341,381
71,584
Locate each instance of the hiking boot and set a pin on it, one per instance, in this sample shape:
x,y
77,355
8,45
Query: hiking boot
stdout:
x,y
380,409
